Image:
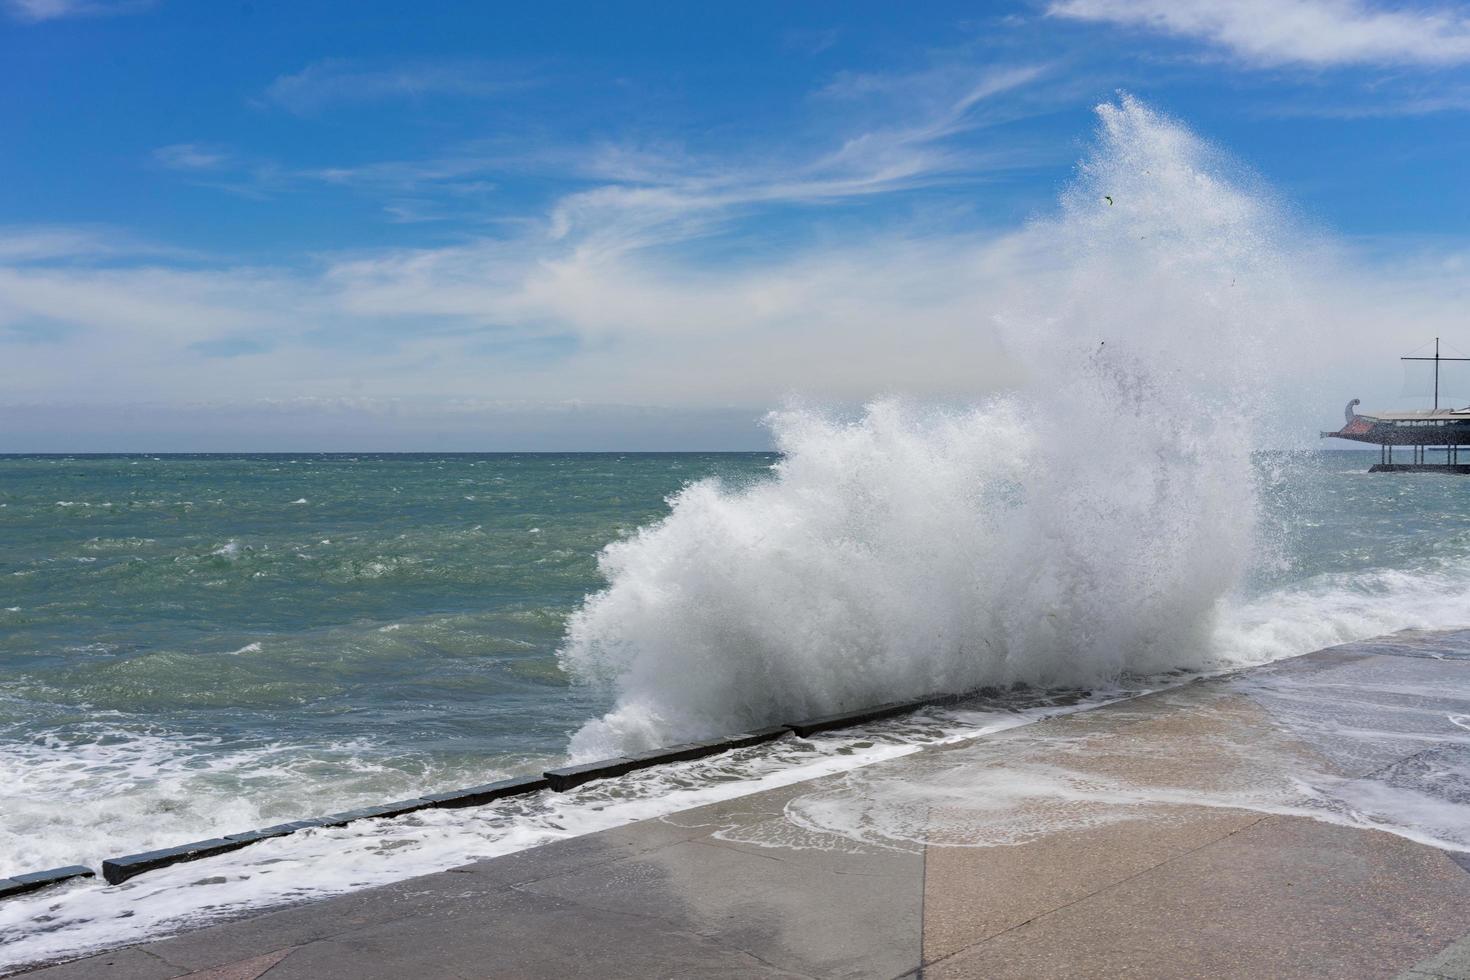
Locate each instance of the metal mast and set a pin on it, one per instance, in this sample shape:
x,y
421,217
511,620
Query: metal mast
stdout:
x,y
1436,359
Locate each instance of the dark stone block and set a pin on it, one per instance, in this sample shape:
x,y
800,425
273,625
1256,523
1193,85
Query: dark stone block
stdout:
x,y
707,747
118,870
849,718
369,812
489,792
31,881
683,752
54,875
279,830
743,740
570,777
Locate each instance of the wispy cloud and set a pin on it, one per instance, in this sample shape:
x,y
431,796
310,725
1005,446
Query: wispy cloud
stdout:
x,y
895,132
1368,107
905,306
206,165
427,325
1317,33
936,103
576,301
191,156
652,196
38,10
811,42
904,309
571,298
338,82
33,243
71,243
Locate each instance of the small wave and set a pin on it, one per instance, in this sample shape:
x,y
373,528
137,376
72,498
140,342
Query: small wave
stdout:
x,y
106,789
1341,607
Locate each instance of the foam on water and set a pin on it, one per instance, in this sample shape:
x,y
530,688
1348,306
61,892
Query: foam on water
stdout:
x,y
1375,748
1089,525
105,789
1325,610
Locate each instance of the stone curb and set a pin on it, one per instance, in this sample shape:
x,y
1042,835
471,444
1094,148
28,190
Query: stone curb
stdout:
x,y
20,884
559,780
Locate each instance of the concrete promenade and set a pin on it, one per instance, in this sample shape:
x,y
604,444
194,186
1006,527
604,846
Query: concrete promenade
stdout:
x,y
1159,837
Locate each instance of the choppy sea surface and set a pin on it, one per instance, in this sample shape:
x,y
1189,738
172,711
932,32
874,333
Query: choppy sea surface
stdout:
x,y
193,642
197,645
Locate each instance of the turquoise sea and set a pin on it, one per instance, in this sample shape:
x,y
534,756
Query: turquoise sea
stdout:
x,y
284,635
187,641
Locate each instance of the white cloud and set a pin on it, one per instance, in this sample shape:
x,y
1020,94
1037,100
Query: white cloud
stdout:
x,y
653,196
29,244
39,10
1373,101
646,194
191,156
335,82
811,42
579,303
411,336
903,309
39,243
450,322
1319,33
643,195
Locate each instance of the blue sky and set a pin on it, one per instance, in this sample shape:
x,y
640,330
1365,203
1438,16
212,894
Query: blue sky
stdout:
x,y
639,226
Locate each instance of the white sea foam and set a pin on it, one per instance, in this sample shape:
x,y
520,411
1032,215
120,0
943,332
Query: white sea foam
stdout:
x,y
78,799
105,789
1365,747
1090,524
1341,607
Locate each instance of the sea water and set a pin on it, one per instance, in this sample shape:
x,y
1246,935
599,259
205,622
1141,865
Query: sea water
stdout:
x,y
193,646
197,645
188,649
